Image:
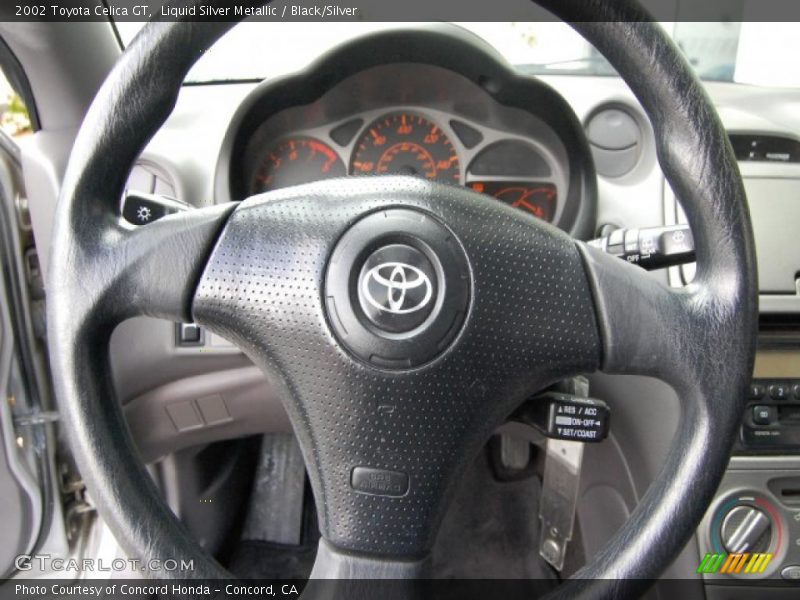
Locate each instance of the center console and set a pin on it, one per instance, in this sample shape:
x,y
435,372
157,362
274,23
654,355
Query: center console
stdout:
x,y
749,540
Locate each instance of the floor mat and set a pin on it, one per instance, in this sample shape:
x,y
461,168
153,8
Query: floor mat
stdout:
x,y
490,532
255,559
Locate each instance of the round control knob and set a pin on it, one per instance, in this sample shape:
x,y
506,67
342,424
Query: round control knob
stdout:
x,y
746,529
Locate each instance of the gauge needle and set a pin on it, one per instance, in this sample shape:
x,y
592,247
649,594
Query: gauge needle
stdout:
x,y
521,203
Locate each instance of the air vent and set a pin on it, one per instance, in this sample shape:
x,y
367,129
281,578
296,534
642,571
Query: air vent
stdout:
x,y
765,148
615,138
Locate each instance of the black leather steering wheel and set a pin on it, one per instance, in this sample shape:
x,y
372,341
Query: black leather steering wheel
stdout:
x,y
388,410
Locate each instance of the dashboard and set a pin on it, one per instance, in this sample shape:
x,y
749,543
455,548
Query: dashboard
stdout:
x,y
457,118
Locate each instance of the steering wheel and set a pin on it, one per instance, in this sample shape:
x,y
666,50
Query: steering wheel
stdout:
x,y
393,379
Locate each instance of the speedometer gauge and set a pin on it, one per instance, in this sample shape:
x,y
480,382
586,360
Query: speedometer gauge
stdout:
x,y
294,161
405,143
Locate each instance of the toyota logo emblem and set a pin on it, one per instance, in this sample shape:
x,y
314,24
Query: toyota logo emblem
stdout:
x,y
397,288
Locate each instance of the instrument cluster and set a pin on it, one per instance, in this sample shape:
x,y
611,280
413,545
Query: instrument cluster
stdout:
x,y
418,141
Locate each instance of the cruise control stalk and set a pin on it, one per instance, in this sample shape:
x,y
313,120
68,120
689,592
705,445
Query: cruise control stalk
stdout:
x,y
568,417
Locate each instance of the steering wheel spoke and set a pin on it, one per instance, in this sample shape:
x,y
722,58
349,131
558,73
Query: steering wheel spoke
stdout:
x,y
160,264
642,322
151,270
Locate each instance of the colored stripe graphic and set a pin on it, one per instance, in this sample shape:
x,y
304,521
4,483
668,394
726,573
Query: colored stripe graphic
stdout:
x,y
762,563
734,563
711,563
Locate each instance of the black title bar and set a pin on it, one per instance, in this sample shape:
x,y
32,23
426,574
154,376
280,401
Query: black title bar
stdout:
x,y
372,10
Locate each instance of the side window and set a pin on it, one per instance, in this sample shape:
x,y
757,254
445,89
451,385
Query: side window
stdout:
x,y
14,118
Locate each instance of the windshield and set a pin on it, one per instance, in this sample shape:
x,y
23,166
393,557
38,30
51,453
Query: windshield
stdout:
x,y
750,53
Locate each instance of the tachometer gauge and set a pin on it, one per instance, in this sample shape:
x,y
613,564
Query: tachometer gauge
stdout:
x,y
405,143
294,161
539,199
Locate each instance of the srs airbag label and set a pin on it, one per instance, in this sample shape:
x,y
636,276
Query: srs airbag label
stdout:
x,y
379,482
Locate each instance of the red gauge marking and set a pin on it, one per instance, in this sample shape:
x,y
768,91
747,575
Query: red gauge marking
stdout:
x,y
294,161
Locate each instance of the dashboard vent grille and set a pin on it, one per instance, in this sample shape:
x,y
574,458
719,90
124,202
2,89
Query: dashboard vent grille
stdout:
x,y
765,148
615,139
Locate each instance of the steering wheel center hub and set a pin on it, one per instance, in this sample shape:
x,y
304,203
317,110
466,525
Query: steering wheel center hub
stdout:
x,y
397,288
